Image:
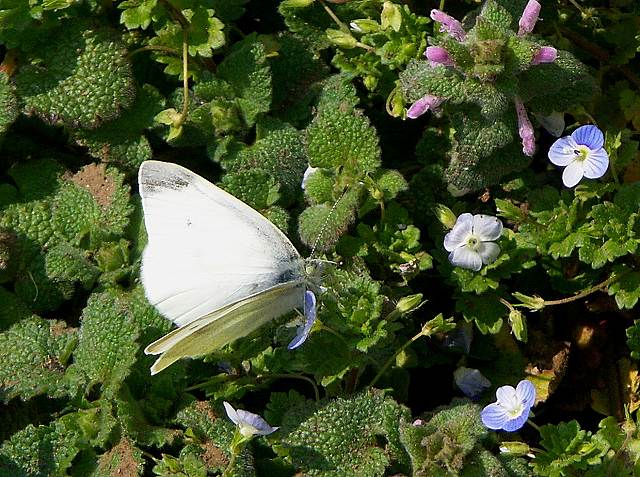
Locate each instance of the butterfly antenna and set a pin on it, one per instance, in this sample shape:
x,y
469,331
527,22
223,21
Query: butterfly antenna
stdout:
x,y
326,222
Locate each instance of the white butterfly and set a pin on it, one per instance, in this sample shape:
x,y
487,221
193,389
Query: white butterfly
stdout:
x,y
213,265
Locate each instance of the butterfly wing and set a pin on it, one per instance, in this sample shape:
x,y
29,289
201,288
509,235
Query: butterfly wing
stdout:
x,y
206,249
213,331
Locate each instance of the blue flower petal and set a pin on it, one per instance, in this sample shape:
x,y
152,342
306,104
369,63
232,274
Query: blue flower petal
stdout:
x,y
526,392
515,424
259,425
487,227
231,413
471,381
589,136
596,164
562,151
494,416
310,313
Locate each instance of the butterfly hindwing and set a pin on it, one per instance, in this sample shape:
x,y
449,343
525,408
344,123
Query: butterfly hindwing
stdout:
x,y
206,249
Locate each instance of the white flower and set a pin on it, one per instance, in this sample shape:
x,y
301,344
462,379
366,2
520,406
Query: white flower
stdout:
x,y
249,424
310,170
470,242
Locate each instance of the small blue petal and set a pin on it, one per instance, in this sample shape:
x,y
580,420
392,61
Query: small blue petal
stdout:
x,y
596,164
589,136
515,424
562,151
262,427
310,313
471,381
526,393
494,416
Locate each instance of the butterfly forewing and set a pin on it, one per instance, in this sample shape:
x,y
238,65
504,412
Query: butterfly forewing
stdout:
x,y
206,249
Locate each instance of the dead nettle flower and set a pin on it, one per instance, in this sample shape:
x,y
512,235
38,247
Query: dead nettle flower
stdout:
x,y
525,129
424,104
449,24
546,54
438,56
529,17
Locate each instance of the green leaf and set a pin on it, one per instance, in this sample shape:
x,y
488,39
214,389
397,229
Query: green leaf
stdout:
x,y
340,438
626,289
33,356
137,13
247,70
82,79
343,139
8,104
107,347
485,310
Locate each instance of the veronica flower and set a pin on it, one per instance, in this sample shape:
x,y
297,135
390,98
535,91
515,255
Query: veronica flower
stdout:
x,y
249,424
582,154
438,56
525,129
449,24
470,241
424,104
511,410
310,313
529,17
546,54
471,381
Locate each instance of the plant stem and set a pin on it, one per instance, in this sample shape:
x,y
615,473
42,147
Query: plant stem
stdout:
x,y
232,462
583,293
185,74
441,6
293,376
393,357
164,49
333,16
534,425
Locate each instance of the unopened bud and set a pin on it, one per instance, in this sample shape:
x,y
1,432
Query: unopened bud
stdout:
x,y
446,216
409,303
341,38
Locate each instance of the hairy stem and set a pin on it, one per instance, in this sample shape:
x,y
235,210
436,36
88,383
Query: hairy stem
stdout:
x,y
583,293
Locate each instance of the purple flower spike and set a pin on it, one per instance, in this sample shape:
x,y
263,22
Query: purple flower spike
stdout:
x,y
525,129
546,54
310,313
529,17
438,56
249,424
511,410
424,104
449,24
582,155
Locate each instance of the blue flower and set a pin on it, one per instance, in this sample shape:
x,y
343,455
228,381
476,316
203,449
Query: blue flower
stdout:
x,y
582,154
470,241
310,313
471,381
512,408
249,424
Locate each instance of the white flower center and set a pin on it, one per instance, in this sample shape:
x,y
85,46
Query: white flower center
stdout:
x,y
473,242
247,430
515,411
581,152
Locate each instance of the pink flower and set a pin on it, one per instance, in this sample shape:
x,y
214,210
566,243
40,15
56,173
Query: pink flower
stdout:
x,y
546,54
424,104
525,129
438,56
529,17
449,24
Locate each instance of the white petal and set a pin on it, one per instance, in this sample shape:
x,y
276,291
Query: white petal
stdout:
x,y
573,173
526,392
488,252
507,397
464,258
457,237
562,152
487,227
589,136
596,164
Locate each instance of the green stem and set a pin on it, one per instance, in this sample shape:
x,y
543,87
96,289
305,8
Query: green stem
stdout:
x,y
164,49
441,6
333,16
366,47
185,75
232,462
293,376
583,293
393,357
534,425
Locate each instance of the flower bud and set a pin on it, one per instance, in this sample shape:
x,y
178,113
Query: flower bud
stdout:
x,y
297,3
529,17
409,303
364,25
546,54
424,104
514,448
445,215
449,24
391,16
525,129
438,56
341,38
